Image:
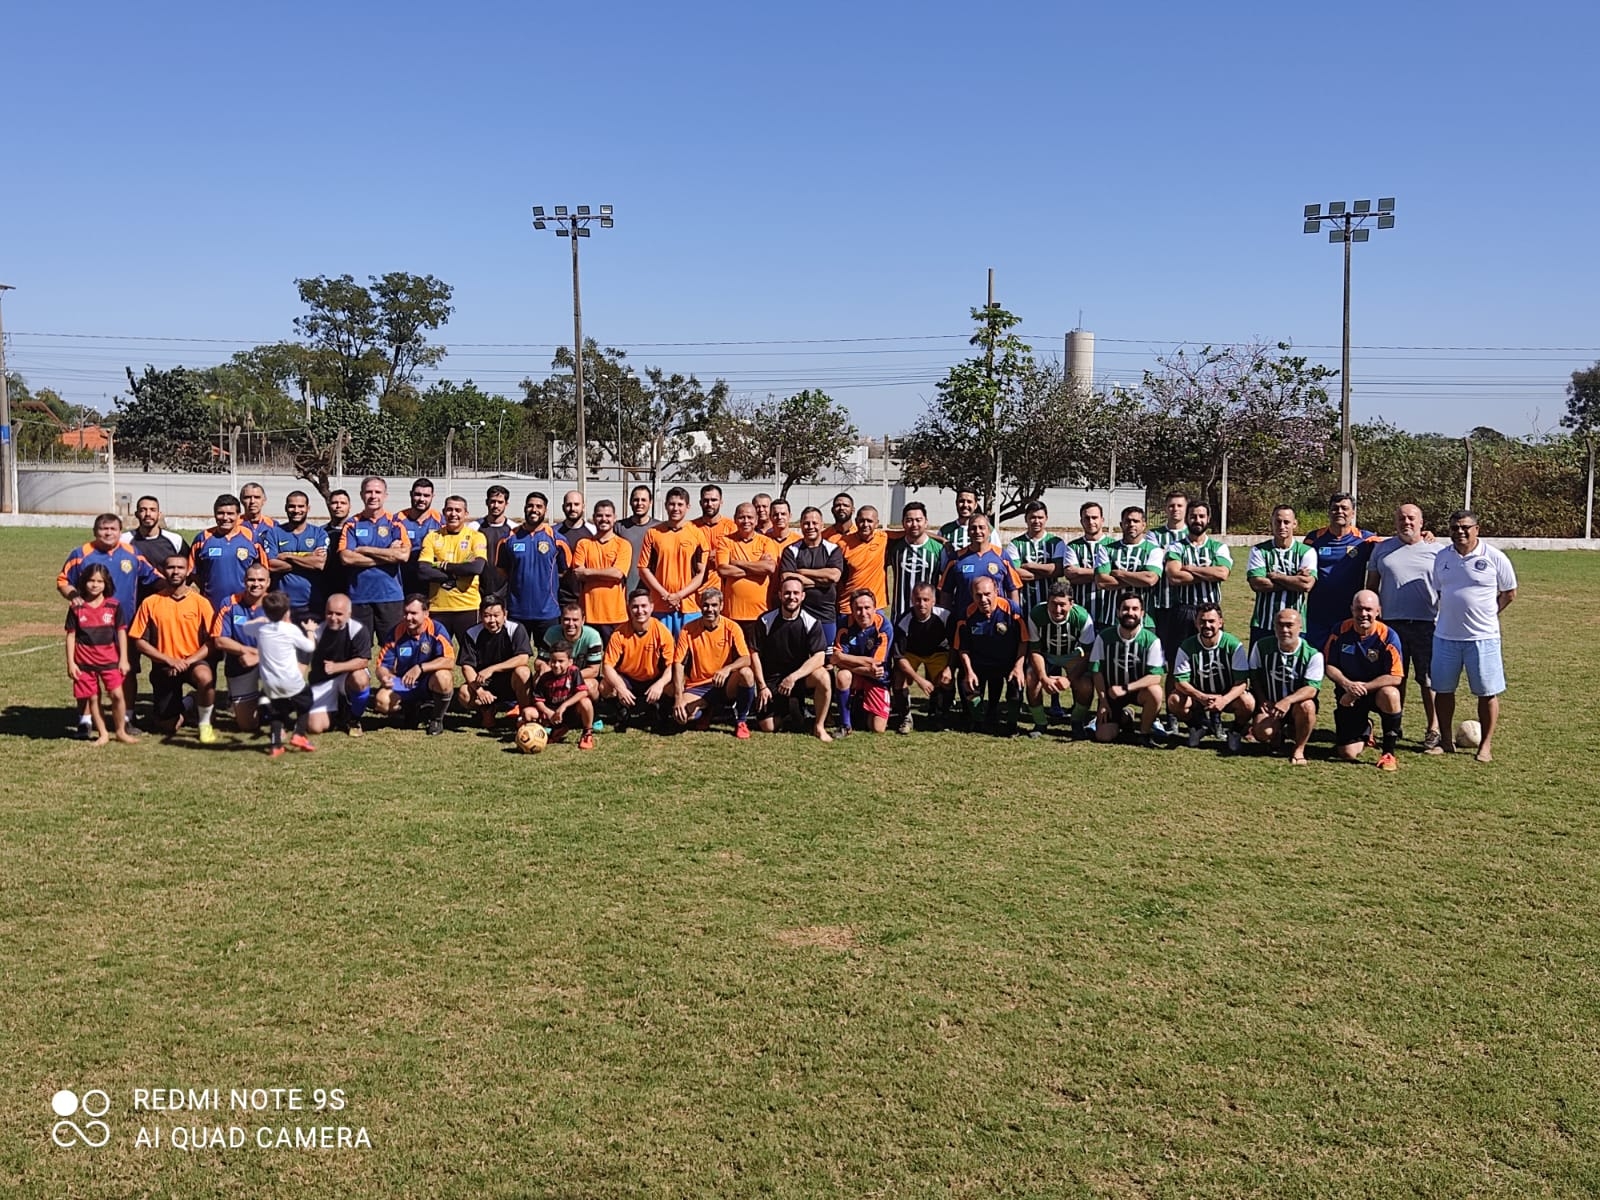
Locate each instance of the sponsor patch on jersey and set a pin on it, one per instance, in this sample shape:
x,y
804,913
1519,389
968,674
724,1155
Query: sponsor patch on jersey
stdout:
x,y
213,551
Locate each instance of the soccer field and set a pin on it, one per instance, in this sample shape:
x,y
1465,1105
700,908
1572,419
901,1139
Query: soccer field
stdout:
x,y
688,966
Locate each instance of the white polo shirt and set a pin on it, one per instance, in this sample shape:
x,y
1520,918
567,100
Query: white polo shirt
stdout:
x,y
1469,587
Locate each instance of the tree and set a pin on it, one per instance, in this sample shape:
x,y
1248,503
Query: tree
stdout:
x,y
804,434
1266,409
1583,402
1000,412
348,434
367,342
165,420
446,406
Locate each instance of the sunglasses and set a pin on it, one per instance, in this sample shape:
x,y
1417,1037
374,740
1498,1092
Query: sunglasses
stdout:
x,y
1462,528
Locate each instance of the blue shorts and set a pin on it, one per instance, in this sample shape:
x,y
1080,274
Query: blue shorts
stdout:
x,y
675,621
703,691
1486,674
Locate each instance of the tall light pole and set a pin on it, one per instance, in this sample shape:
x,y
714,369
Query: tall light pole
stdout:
x,y
8,441
1349,226
573,226
475,426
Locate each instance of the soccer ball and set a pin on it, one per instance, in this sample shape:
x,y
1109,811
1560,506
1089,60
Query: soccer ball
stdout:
x,y
532,738
1469,733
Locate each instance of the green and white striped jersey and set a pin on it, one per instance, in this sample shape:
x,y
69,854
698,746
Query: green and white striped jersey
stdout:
x,y
1060,641
1143,555
1275,673
1164,595
1082,553
1046,549
1122,660
908,566
1269,558
1209,552
1213,670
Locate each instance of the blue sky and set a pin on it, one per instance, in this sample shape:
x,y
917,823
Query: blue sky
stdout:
x,y
788,173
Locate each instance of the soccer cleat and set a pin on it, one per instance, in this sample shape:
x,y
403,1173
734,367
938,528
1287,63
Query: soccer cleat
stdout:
x,y
599,725
1235,741
1035,733
1386,762
1154,741
1431,743
208,735
742,731
300,742
586,742
275,751
906,724
435,726
1197,735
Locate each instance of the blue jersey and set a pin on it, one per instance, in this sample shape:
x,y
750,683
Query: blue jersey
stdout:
x,y
993,643
532,562
406,650
959,574
236,618
873,640
378,584
128,570
304,588
218,563
1364,659
1341,573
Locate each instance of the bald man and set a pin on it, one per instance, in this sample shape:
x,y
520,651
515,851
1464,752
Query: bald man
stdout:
x,y
1363,658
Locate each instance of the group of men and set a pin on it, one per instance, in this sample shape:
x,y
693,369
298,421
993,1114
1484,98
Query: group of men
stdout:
x,y
752,615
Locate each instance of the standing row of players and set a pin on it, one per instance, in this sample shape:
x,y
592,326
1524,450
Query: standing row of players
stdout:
x,y
535,567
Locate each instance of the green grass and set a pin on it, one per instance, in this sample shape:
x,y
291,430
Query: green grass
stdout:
x,y
934,965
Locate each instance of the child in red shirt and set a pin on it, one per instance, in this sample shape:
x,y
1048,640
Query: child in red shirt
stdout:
x,y
97,655
561,691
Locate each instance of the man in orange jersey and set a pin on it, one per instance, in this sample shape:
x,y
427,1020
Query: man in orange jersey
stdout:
x,y
173,631
783,535
715,526
600,567
673,567
866,556
763,506
713,663
746,562
844,507
637,669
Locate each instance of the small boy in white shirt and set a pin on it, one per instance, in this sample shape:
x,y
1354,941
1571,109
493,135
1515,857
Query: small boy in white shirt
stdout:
x,y
280,644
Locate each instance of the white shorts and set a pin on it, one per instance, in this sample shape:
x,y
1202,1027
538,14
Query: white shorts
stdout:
x,y
325,695
244,688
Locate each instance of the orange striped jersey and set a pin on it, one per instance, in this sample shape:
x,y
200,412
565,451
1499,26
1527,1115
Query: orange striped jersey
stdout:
x,y
864,567
745,599
406,649
605,602
671,555
867,641
705,651
641,656
176,627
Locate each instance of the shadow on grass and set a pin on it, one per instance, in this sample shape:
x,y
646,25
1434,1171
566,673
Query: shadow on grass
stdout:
x,y
29,721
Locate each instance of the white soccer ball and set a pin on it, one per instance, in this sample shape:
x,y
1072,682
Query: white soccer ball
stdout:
x,y
1469,733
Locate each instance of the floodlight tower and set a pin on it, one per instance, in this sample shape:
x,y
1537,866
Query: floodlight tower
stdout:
x,y
1349,227
573,226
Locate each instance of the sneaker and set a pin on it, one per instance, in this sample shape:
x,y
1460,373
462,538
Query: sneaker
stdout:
x,y
906,724
1431,743
1235,741
1386,762
208,734
599,726
1035,733
557,736
1197,734
1056,711
85,733
435,726
586,742
742,731
275,752
300,742
354,729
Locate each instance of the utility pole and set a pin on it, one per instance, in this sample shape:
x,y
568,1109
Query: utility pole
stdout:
x,y
574,226
1348,223
994,413
8,441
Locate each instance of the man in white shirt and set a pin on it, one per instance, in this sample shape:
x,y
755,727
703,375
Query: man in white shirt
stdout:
x,y
1475,584
1401,572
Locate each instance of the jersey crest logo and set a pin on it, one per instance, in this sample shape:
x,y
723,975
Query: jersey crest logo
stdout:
x,y
543,547
383,531
126,566
999,626
240,553
1372,654
994,569
1481,565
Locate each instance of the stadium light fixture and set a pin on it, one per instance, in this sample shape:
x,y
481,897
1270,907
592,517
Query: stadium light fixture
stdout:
x,y
572,227
1348,228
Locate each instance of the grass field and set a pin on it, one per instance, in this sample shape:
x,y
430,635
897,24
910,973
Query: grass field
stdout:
x,y
936,965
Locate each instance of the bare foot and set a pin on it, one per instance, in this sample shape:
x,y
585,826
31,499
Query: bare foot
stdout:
x,y
101,738
1483,754
1297,760
126,737
822,734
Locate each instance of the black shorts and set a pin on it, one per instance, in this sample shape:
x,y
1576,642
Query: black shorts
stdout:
x,y
456,623
1172,626
166,692
1350,720
537,629
291,708
1416,649
380,618
500,687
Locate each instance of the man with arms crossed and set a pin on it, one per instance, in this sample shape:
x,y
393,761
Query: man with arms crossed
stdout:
x,y
339,672
1285,676
673,564
1476,584
1281,571
913,559
746,562
1401,572
1084,557
633,528
373,547
1343,550
1132,565
820,565
1363,659
791,656
600,567
297,553
1194,568
495,527
451,562
1038,557
1210,677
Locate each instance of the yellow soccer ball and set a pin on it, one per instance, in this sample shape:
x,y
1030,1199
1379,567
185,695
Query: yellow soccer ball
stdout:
x,y
532,738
